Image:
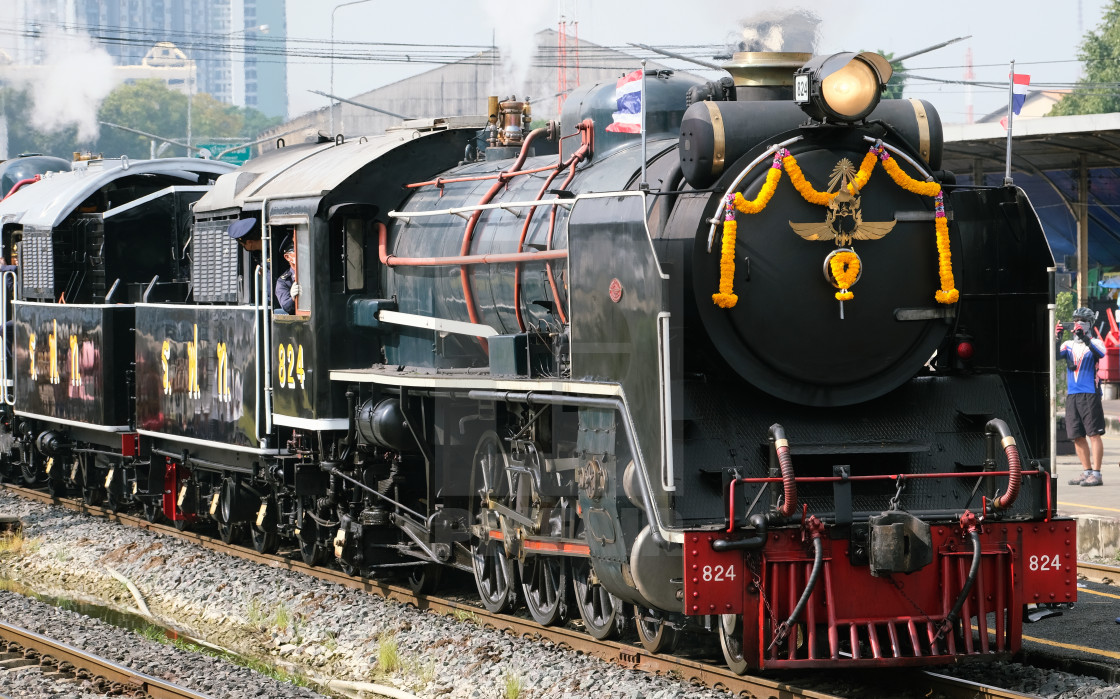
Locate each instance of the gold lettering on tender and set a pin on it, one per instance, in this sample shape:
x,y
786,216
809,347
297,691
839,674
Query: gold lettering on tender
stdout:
x,y
164,356
52,345
193,389
223,373
75,364
31,356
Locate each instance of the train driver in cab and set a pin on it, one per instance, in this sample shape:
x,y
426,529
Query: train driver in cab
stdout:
x,y
287,288
248,235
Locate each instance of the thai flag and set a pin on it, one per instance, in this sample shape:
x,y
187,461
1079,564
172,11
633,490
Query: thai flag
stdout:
x,y
1019,84
628,97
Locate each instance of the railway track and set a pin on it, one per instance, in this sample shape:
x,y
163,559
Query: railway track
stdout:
x,y
26,648
956,688
924,683
1097,572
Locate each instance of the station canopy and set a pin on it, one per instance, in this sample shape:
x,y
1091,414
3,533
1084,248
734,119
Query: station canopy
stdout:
x,y
1048,156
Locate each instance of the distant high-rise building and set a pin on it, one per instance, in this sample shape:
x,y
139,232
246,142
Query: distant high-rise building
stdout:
x,y
221,36
265,74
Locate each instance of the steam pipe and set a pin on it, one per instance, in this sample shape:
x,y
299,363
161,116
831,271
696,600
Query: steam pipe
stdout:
x,y
815,527
968,521
584,128
394,261
440,181
789,484
998,427
759,523
464,273
560,167
19,185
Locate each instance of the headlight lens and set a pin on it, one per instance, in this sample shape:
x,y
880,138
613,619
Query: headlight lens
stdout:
x,y
851,90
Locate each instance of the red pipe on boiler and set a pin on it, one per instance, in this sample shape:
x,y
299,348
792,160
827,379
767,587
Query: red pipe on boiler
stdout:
x,y
394,261
18,185
785,461
464,275
998,427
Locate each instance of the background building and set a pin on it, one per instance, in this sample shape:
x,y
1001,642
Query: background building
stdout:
x,y
461,89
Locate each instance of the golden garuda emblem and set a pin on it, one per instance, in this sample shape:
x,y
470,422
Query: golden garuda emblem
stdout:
x,y
844,221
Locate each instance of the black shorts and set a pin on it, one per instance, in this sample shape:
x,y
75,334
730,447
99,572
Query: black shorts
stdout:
x,y
1084,415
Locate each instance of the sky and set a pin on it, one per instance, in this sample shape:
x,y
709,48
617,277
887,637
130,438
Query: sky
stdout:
x,y
1042,37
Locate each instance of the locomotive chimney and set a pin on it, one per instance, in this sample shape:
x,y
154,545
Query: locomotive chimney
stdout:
x,y
764,75
510,132
509,123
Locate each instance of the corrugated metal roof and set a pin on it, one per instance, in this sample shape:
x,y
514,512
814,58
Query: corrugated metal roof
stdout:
x,y
1046,154
46,203
308,172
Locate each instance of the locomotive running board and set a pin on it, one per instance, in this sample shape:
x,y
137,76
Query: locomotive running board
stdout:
x,y
209,443
74,423
422,379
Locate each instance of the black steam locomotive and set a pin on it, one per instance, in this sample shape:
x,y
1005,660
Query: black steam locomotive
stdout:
x,y
755,366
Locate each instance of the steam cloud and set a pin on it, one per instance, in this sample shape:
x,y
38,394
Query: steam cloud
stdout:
x,y
76,75
777,30
515,36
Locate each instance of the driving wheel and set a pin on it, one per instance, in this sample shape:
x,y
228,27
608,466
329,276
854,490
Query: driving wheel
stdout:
x,y
600,610
493,569
655,633
544,579
731,641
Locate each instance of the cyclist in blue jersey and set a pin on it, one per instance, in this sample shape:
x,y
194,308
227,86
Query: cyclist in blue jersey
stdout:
x,y
1084,412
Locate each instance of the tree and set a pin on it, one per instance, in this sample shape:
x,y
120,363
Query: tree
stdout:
x,y
897,83
149,105
146,105
1100,54
15,105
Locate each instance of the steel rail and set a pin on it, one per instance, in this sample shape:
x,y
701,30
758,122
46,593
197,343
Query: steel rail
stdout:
x,y
957,688
130,680
625,655
1097,572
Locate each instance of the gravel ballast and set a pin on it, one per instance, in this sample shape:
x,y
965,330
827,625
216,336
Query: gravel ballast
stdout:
x,y
314,628
326,630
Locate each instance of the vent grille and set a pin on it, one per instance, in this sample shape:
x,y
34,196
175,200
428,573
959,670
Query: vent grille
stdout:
x,y
37,263
214,262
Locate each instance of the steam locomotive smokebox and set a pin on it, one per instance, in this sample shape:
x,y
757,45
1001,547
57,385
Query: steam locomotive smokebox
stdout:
x,y
716,134
522,354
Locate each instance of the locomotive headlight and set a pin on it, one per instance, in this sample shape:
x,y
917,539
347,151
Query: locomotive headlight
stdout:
x,y
843,87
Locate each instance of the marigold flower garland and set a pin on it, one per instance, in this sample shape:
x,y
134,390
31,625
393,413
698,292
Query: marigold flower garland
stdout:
x,y
823,198
948,292
726,298
844,266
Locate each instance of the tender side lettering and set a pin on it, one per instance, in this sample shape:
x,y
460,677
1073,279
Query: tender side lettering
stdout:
x,y
52,345
289,366
75,363
223,373
193,389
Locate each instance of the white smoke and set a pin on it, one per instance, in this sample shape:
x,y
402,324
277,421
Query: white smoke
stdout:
x,y
515,37
777,30
70,84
